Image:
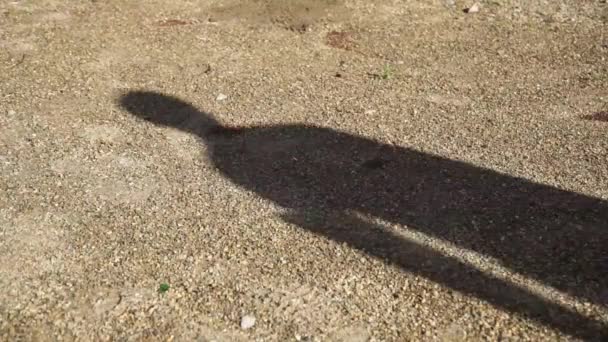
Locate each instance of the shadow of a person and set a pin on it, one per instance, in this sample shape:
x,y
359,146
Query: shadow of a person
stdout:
x,y
554,236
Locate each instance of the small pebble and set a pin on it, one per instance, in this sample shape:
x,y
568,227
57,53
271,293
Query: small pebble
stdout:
x,y
11,112
473,9
221,97
247,322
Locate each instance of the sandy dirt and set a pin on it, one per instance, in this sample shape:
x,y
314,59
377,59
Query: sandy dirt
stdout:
x,y
338,170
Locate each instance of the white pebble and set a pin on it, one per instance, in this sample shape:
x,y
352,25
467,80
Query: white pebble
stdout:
x,y
474,8
247,322
221,97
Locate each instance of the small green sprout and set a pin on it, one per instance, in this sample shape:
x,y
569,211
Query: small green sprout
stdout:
x,y
387,72
163,288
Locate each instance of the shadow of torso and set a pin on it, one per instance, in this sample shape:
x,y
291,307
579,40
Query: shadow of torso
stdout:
x,y
558,237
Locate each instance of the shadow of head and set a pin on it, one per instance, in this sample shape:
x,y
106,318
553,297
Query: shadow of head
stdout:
x,y
164,110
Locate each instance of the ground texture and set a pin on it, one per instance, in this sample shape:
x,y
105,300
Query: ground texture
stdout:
x,y
346,170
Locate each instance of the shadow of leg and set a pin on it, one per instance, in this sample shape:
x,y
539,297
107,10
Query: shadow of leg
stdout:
x,y
412,257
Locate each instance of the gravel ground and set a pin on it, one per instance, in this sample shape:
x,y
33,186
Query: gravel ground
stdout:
x,y
338,170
